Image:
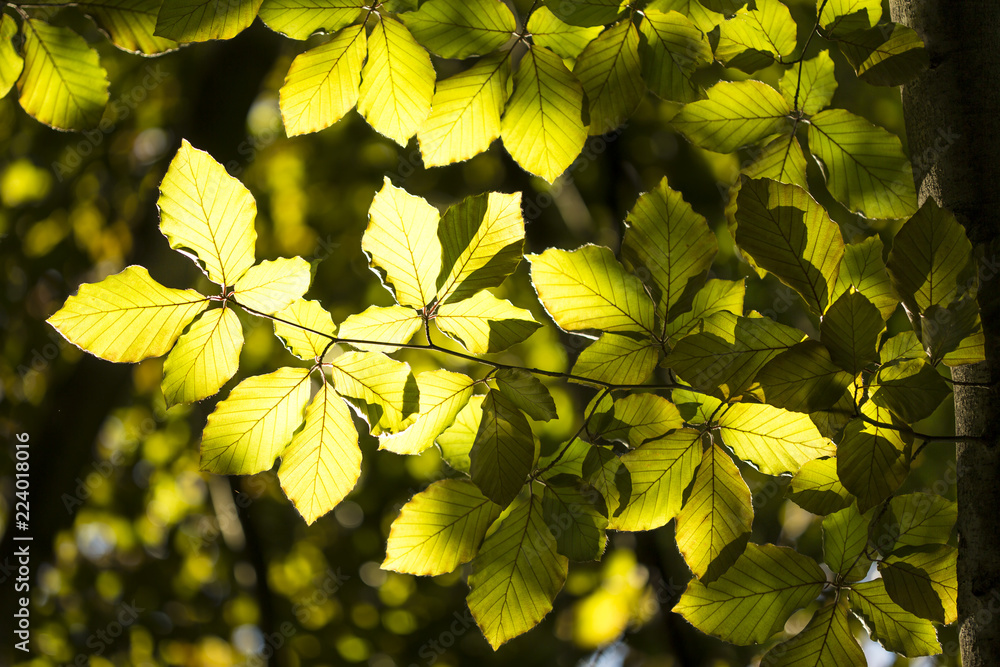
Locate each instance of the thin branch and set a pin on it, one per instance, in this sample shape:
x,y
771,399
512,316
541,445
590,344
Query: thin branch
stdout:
x,y
923,436
802,55
565,448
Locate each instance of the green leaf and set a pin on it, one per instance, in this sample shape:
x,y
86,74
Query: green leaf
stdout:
x,y
565,40
924,582
482,240
888,55
383,390
803,379
971,350
386,324
208,215
563,459
617,359
130,24
943,329
735,114
251,427
726,352
585,12
781,159
790,235
705,19
889,624
774,440
322,463
911,389
715,296
769,29
402,245
866,168
670,243
695,408
604,471
11,62
504,450
817,489
542,127
300,18
755,597
397,82
611,74
465,112
915,520
660,470
526,392
127,317
826,641
457,440
570,509
714,525
845,537
322,83
929,258
850,331
727,7
517,573
300,332
871,460
485,324
442,395
840,16
816,84
201,20
864,269
62,84
672,49
588,289
461,28
439,529
204,358
645,416
272,286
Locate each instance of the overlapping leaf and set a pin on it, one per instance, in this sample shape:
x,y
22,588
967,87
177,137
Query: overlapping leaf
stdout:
x,y
911,389
585,12
702,17
827,641
850,330
617,359
563,39
382,389
672,49
817,489
131,24
461,28
442,395
863,268
456,441
774,440
914,520
611,75
485,324
841,16
575,513
845,539
300,18
715,296
924,582
813,82
504,450
11,62
803,379
202,20
272,286
885,57
735,114
780,159
872,460
889,624
769,29
526,392
301,326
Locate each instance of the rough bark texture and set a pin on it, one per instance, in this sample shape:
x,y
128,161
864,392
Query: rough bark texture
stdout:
x,y
953,126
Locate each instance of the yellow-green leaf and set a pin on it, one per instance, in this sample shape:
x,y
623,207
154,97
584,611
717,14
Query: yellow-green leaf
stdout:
x,y
911,389
775,440
715,296
611,75
845,539
542,127
208,215
461,28
439,529
866,168
564,39
839,16
130,23
735,114
863,268
888,55
303,336
660,470
485,324
826,641
517,573
915,520
386,324
62,83
402,245
457,440
127,316
397,82
300,18
889,624
204,358
504,450
803,379
588,289
586,12
924,582
705,19
815,85
755,597
202,20
322,83
714,525
618,359
442,395
272,286
251,427
790,235
817,489
850,331
672,49
382,389
638,418
465,112
872,460
575,513
482,239
11,62
322,463
768,29
781,159
526,392
605,472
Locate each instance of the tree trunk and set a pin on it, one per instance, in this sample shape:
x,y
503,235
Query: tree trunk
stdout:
x,y
953,125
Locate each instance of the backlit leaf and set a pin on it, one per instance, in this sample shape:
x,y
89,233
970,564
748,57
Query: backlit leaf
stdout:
x,y
461,28
827,641
611,75
127,316
386,324
202,20
863,268
645,416
304,322
914,520
850,331
130,24
504,450
565,40
715,296
672,49
382,389
11,62
485,324
817,489
204,358
888,55
735,114
526,392
768,29
924,582
781,159
839,16
889,624
272,286
815,85
300,18
604,471
774,440
704,18
585,12
439,529
803,379
871,461
911,389
845,538
617,359
442,395
570,508
457,440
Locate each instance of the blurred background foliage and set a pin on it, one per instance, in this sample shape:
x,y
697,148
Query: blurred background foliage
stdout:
x,y
141,559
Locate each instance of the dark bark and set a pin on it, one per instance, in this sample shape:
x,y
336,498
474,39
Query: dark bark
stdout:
x,y
953,125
